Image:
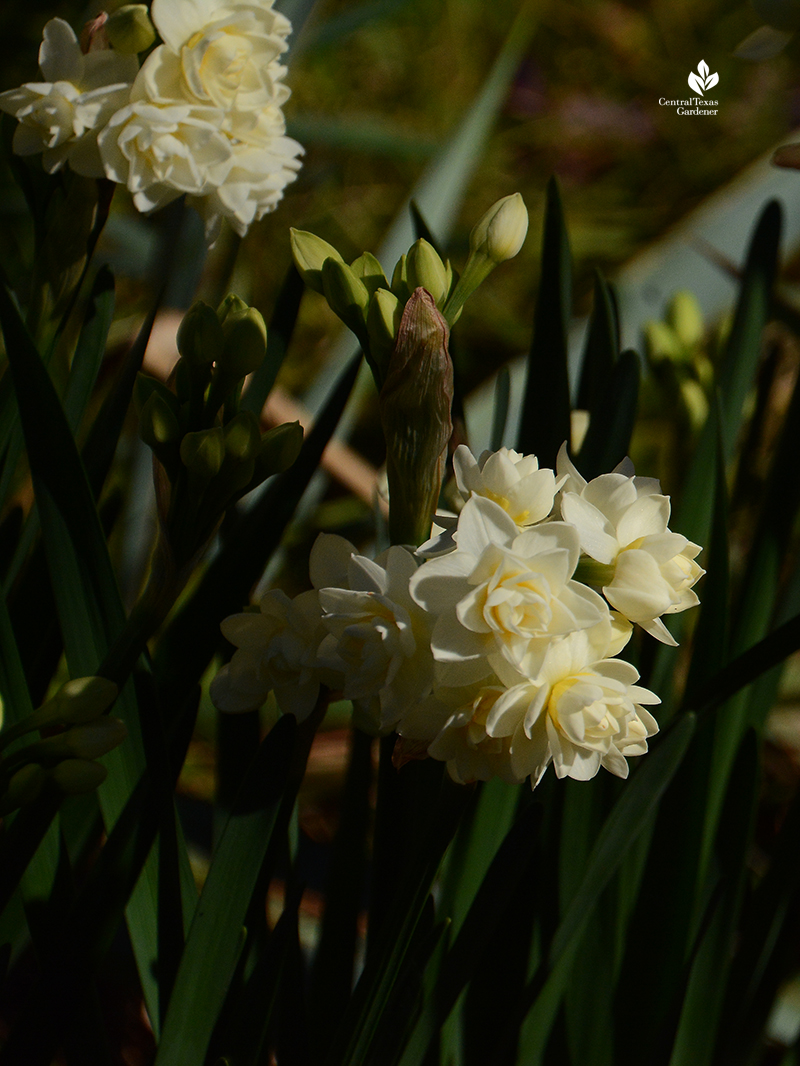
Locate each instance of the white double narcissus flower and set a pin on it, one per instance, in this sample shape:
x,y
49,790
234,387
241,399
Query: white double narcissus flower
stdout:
x,y
162,145
502,596
581,712
60,116
645,570
227,51
511,479
378,638
205,114
276,652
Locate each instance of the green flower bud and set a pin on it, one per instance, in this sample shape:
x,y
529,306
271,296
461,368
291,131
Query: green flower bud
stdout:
x,y
78,701
346,294
24,787
383,321
200,337
310,253
202,452
144,388
279,449
129,29
93,739
415,404
400,286
499,235
496,237
425,268
231,305
696,403
369,270
662,342
245,343
77,776
686,318
157,423
242,437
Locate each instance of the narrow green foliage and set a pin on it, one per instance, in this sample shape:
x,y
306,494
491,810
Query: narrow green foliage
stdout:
x,y
608,437
601,348
548,382
214,941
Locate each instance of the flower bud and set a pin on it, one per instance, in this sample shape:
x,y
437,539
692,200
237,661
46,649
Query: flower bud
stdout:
x,y
346,294
662,342
310,253
129,29
279,449
78,701
242,437
200,337
400,286
24,787
500,233
93,739
383,321
686,318
425,268
414,405
496,237
157,423
370,271
231,305
245,342
202,452
77,776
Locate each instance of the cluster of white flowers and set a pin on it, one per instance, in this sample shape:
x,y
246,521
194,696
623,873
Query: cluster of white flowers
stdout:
x,y
202,117
493,646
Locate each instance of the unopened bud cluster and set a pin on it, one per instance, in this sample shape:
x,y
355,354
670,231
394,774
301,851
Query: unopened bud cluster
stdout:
x,y
403,328
74,733
211,451
372,307
676,352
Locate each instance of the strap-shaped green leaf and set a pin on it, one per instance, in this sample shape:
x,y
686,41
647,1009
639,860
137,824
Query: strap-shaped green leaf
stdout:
x,y
545,418
215,938
601,347
609,434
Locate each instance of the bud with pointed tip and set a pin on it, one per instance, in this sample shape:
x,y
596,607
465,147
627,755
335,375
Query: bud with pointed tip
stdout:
x,y
415,408
93,739
279,449
310,252
496,237
499,235
346,294
242,437
202,452
383,321
24,787
245,344
77,776
200,337
686,318
231,305
370,271
80,700
425,268
129,29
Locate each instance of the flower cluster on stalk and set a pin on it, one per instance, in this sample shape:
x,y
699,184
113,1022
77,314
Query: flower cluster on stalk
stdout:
x,y
202,117
494,646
